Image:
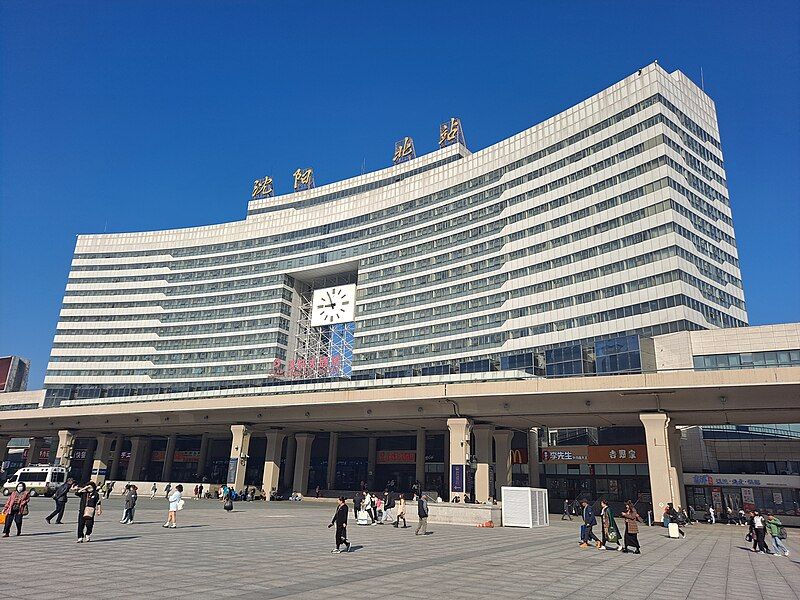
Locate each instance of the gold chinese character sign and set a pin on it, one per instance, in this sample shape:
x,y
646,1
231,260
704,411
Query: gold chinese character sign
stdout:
x,y
451,133
262,188
303,179
403,151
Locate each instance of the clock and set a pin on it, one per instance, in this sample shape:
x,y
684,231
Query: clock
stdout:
x,y
333,305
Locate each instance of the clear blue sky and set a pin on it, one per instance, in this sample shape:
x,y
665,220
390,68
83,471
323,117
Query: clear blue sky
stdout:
x,y
128,116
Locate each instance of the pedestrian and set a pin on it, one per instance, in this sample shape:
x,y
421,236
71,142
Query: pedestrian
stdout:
x,y
742,518
712,515
90,508
60,498
610,532
401,511
671,516
124,502
416,490
690,514
760,529
388,507
153,490
632,519
175,504
778,534
566,511
369,507
751,530
357,500
317,492
131,496
422,513
16,508
200,492
589,521
227,500
167,490
340,520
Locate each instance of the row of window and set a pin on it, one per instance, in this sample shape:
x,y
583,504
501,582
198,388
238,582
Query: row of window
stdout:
x,y
326,230
180,290
168,373
238,298
195,315
261,338
187,357
267,323
747,360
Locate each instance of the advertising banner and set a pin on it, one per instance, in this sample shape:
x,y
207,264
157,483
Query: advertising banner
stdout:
x,y
396,457
457,478
618,454
748,500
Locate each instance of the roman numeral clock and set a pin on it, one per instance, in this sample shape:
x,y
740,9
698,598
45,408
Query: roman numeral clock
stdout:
x,y
333,305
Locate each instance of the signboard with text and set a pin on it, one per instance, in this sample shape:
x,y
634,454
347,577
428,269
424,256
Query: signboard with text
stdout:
x,y
396,457
457,478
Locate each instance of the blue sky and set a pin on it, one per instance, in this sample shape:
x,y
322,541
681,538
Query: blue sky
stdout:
x,y
127,116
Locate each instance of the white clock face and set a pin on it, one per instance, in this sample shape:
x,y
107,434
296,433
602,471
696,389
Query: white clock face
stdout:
x,y
333,305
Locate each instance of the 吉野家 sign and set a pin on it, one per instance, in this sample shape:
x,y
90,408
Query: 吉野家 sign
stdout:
x,y
262,188
617,454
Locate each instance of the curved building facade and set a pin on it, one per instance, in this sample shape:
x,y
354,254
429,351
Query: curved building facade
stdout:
x,y
554,251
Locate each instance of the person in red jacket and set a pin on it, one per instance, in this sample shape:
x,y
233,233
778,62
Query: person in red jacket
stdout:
x,y
15,508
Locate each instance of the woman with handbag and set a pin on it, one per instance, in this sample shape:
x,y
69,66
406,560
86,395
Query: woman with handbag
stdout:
x,y
632,519
16,508
89,509
175,504
610,532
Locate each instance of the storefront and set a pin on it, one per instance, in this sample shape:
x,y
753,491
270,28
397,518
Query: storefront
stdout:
x,y
779,494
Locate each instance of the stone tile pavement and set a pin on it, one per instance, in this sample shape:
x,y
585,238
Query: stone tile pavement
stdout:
x,y
282,550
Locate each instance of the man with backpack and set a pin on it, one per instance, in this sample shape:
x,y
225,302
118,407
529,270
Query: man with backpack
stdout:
x,y
778,533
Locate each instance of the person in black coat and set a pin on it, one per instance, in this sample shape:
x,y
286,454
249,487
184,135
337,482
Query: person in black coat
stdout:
x,y
589,521
88,510
60,497
340,520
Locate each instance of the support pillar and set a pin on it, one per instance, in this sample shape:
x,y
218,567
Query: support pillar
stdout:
x,y
240,445
483,456
101,457
502,468
665,480
302,462
134,471
460,452
169,457
66,442
3,448
272,461
34,449
420,470
288,465
88,461
202,460
534,460
116,454
372,459
333,458
676,472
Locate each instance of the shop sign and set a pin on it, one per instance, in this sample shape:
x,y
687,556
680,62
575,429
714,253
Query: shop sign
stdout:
x,y
178,457
748,501
396,457
565,454
519,456
617,454
729,481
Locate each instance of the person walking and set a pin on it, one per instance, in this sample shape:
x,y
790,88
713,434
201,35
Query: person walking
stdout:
x,y
422,512
90,508
109,489
388,508
566,511
632,520
369,507
760,529
610,531
131,496
671,516
175,504
60,498
16,508
712,515
776,531
340,520
589,521
153,490
227,499
401,511
167,490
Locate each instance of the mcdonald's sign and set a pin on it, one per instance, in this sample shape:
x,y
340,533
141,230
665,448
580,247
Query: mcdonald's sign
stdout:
x,y
519,456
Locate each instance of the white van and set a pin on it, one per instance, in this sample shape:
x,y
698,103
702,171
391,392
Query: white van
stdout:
x,y
41,480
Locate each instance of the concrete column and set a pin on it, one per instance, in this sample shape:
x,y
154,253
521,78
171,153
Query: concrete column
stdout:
x,y
101,457
459,430
333,457
35,446
372,459
135,463
202,460
4,447
676,471
420,471
534,460
483,455
66,442
115,456
88,462
272,461
502,469
665,481
169,457
302,461
288,465
240,445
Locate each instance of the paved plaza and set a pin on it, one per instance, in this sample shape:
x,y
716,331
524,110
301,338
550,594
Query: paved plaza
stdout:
x,y
282,550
